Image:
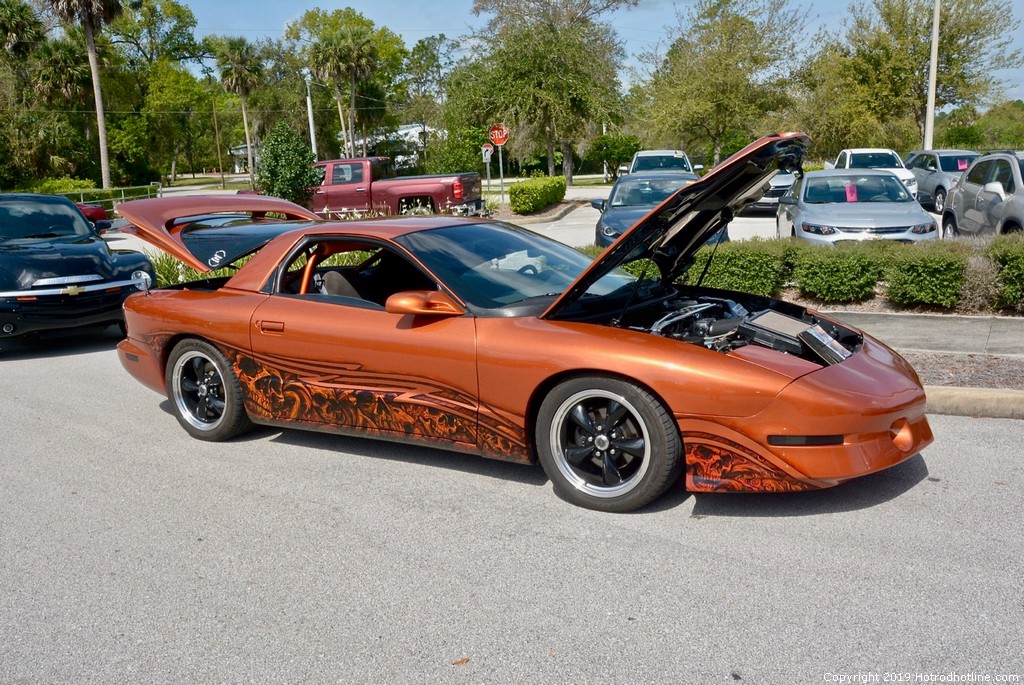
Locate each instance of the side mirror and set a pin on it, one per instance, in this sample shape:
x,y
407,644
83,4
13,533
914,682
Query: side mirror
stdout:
x,y
996,188
102,226
924,198
698,167
598,205
787,200
422,303
830,165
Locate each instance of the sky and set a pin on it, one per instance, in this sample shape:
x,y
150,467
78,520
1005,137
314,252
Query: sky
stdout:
x,y
643,28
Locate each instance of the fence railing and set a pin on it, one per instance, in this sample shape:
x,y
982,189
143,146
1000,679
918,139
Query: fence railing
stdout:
x,y
109,199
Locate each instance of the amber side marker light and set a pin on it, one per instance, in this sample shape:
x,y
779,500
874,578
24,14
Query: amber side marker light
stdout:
x,y
901,434
804,440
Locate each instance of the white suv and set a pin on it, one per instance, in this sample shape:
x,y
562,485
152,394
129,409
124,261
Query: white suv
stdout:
x,y
662,160
875,158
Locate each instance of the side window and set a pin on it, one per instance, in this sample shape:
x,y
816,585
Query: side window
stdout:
x,y
979,172
346,173
916,162
841,161
1004,175
356,273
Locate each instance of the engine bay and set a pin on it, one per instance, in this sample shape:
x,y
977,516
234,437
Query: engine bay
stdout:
x,y
727,321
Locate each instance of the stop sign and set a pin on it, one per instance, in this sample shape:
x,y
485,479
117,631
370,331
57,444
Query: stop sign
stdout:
x,y
498,134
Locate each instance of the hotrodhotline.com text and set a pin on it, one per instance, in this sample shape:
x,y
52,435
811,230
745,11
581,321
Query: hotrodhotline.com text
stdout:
x,y
913,677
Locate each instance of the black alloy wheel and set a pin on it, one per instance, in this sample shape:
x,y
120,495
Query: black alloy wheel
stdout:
x,y
607,444
205,391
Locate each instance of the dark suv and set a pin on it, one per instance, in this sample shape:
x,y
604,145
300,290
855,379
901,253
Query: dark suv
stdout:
x,y
989,197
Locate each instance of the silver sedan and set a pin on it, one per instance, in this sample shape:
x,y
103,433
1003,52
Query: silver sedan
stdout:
x,y
835,205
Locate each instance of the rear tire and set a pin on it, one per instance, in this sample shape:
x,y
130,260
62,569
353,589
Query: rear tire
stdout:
x,y
206,394
949,229
607,444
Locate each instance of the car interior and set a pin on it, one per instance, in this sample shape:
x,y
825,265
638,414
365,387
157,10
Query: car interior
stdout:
x,y
351,272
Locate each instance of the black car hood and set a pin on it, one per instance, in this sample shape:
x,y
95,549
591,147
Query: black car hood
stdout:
x,y
673,231
621,218
23,262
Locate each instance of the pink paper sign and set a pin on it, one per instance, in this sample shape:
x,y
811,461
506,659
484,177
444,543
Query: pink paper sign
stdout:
x,y
851,192
961,164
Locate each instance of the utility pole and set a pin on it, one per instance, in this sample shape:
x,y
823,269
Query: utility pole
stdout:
x,y
309,113
929,114
216,131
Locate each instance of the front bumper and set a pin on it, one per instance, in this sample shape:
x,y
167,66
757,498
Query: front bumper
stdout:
x,y
67,306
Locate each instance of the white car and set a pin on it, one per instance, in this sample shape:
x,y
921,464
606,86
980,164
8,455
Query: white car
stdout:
x,y
875,158
675,161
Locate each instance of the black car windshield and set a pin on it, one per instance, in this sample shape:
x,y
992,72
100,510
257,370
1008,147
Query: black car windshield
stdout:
x,y
875,160
956,163
41,217
495,265
661,163
855,188
644,192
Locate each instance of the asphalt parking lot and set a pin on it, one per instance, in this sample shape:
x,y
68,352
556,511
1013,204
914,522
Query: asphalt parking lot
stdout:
x,y
132,553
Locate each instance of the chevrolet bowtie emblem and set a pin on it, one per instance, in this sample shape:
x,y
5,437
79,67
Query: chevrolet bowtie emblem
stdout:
x,y
72,290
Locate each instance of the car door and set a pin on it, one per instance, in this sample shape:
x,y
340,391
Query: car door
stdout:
x,y
967,214
925,166
344,363
990,206
347,188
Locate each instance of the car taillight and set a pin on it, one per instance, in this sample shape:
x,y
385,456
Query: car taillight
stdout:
x,y
457,189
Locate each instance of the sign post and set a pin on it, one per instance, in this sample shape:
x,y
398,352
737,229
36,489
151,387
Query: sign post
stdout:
x,y
487,150
499,136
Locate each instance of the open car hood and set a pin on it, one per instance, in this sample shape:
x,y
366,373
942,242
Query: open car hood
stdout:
x,y
166,223
673,231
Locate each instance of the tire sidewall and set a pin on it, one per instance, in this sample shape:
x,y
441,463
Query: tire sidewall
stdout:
x,y
234,419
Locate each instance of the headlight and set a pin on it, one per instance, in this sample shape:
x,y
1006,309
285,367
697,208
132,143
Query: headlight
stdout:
x,y
911,182
817,229
923,228
609,231
143,281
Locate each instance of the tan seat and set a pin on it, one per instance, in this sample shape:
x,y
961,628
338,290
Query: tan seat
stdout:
x,y
336,284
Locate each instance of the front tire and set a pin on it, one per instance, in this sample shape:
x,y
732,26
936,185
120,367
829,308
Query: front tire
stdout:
x,y
949,229
607,444
939,201
205,392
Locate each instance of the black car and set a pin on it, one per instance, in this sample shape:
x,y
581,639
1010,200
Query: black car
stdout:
x,y
55,269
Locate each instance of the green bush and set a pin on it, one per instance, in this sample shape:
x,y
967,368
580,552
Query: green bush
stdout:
x,y
286,166
836,275
56,186
535,194
754,266
931,274
1007,252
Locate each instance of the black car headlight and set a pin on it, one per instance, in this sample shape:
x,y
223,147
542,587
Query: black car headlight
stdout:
x,y
817,229
609,231
143,281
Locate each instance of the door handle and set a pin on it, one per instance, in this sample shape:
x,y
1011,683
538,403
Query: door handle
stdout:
x,y
271,326
361,189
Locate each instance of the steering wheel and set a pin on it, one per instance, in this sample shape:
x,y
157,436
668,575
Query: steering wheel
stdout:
x,y
528,270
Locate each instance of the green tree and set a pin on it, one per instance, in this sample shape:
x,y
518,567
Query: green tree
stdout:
x,y
92,16
726,70
241,71
172,110
286,168
614,149
149,31
20,32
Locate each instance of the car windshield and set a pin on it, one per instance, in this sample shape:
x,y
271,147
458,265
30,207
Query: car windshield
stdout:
x,y
875,160
661,163
956,164
852,188
494,265
41,218
645,192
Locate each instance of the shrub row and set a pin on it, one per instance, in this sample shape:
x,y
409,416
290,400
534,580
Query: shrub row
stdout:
x,y
967,275
535,194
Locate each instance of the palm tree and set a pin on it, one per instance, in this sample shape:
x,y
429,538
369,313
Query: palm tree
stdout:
x,y
20,31
346,55
359,60
241,71
91,15
62,74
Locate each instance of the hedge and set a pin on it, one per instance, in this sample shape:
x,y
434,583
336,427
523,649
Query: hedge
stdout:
x,y
967,275
535,194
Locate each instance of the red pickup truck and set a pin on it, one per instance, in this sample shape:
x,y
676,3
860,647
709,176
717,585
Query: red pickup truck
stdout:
x,y
369,183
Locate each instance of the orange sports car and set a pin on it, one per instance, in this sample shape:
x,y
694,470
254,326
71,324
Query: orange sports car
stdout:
x,y
483,337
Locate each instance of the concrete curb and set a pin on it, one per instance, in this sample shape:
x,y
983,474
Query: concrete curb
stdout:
x,y
562,213
981,402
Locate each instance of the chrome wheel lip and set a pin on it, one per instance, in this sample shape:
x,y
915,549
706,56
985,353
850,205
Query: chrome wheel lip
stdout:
x,y
557,445
183,398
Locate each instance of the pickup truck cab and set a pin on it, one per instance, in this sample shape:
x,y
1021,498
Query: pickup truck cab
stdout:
x,y
369,183
876,158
